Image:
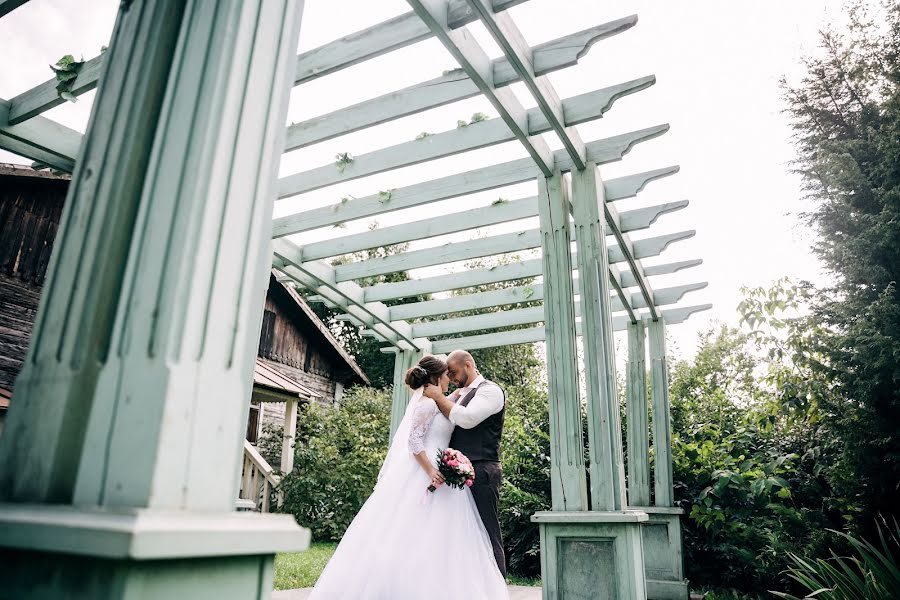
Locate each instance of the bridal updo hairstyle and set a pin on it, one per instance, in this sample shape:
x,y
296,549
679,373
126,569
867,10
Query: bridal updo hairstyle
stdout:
x,y
427,370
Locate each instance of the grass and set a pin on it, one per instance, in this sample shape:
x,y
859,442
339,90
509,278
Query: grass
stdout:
x,y
302,569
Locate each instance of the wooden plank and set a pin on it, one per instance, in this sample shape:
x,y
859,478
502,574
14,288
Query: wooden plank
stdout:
x,y
638,428
450,87
649,246
43,97
426,228
567,474
7,6
511,41
420,194
410,153
347,51
630,185
659,401
290,432
387,36
445,253
491,320
601,398
455,141
477,65
40,137
497,244
320,277
521,294
538,334
454,281
490,275
642,218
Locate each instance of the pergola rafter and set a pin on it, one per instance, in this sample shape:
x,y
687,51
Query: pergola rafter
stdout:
x,y
579,273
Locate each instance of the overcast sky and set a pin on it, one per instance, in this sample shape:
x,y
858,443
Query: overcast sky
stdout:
x,y
717,65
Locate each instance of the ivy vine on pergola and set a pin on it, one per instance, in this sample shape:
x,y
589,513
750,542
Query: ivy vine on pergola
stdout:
x,y
592,281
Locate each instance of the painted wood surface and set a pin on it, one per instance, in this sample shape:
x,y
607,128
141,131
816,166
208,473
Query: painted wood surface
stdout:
x,y
604,440
7,6
40,139
659,400
638,427
497,244
567,474
538,334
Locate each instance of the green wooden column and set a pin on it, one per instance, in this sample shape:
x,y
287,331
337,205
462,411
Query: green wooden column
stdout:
x,y
403,361
120,461
596,551
638,427
662,435
663,555
604,432
567,477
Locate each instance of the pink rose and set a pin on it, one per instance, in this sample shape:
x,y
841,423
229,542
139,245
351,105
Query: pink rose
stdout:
x,y
469,483
453,463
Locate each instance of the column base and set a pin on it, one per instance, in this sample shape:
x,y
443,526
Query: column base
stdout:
x,y
63,552
663,562
592,554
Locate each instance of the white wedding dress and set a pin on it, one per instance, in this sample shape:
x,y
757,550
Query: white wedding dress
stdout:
x,y
406,543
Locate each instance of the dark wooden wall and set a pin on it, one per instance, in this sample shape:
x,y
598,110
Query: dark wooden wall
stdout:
x,y
285,340
30,208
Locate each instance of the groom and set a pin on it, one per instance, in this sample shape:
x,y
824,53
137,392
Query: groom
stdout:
x,y
477,409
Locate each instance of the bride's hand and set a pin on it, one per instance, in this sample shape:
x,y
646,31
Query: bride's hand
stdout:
x,y
437,478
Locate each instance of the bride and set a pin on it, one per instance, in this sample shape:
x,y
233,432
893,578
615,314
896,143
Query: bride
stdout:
x,y
407,543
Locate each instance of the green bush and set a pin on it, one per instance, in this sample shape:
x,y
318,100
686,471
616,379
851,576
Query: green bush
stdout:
x,y
526,477
337,456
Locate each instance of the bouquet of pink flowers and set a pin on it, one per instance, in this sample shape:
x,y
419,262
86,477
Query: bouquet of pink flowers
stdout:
x,y
456,468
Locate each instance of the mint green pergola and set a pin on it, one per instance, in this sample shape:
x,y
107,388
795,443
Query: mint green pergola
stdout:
x,y
121,456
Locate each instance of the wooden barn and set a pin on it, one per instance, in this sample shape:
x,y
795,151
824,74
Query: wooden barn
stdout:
x,y
299,360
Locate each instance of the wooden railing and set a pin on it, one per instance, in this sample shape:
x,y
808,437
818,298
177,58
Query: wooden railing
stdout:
x,y
258,479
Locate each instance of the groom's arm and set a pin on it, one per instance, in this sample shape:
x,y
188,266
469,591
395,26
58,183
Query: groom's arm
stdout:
x,y
444,403
488,400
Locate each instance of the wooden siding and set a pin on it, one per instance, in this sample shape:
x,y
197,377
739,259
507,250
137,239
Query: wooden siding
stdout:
x,y
29,217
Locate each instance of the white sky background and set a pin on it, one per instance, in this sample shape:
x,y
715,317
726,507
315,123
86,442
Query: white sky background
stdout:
x,y
717,65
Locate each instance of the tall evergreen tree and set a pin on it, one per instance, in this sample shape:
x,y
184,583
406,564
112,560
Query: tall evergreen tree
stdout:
x,y
846,117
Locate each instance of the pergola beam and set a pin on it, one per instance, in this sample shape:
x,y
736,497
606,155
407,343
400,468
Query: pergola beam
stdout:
x,y
7,6
462,221
444,188
498,212
537,334
390,35
522,294
498,244
477,65
320,277
520,56
526,269
40,139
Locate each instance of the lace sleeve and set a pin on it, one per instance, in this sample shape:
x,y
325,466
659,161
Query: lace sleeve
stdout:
x,y
421,419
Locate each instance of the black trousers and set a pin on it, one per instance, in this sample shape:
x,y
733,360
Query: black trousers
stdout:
x,y
486,492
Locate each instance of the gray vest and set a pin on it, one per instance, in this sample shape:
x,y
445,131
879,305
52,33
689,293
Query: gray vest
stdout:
x,y
482,442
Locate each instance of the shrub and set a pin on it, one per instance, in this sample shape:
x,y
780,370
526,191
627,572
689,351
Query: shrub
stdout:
x,y
337,456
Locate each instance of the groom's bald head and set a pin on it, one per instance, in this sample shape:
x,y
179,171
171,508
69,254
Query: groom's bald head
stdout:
x,y
461,368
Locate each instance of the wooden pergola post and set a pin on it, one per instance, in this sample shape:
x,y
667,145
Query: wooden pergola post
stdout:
x,y
567,477
403,361
663,555
120,465
602,542
638,427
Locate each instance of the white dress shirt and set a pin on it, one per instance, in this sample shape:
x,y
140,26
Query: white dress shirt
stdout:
x,y
487,401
